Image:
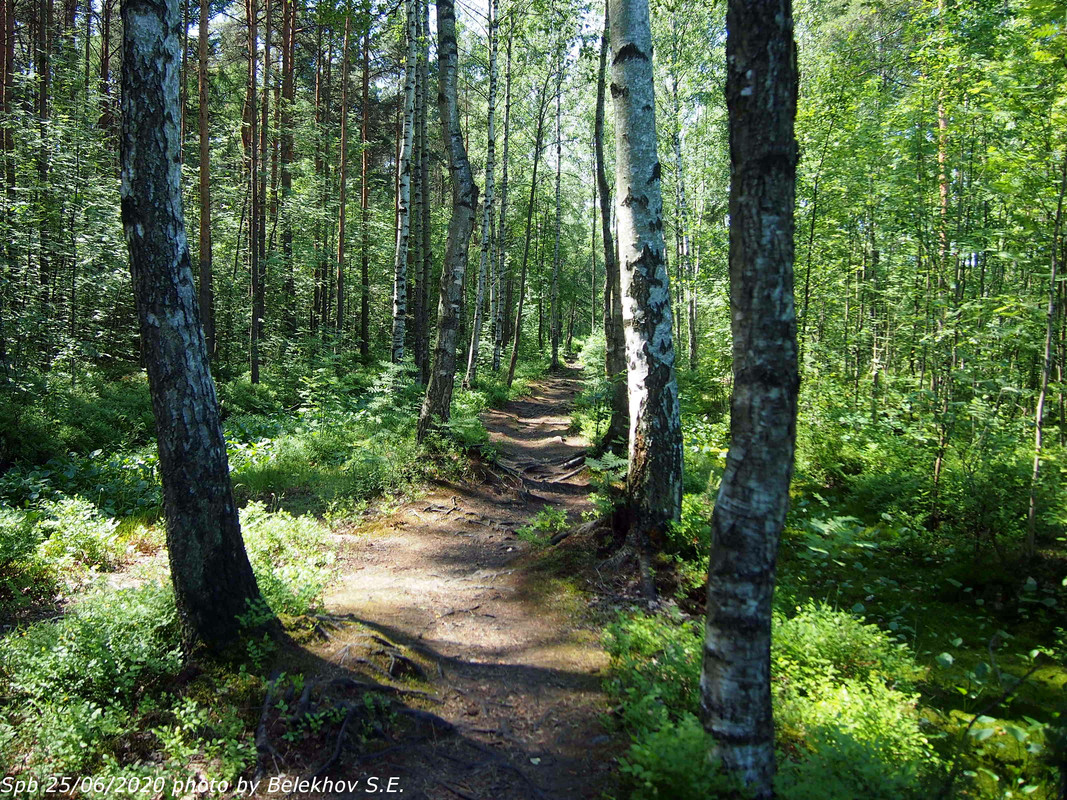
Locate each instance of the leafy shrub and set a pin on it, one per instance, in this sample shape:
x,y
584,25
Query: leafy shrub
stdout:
x,y
832,696
690,536
655,667
289,556
41,419
241,396
75,532
862,738
546,523
119,484
107,648
672,762
821,641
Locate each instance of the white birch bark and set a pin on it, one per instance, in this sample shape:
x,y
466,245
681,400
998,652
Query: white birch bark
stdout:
x,y
436,405
403,200
654,481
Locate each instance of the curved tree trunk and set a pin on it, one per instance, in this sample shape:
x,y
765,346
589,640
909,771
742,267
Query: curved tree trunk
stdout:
x,y
761,95
437,403
654,481
213,580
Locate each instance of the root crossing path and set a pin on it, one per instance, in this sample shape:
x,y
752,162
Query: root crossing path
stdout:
x,y
441,596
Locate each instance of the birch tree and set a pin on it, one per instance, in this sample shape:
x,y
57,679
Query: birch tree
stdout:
x,y
437,402
213,580
487,206
654,480
403,198
761,96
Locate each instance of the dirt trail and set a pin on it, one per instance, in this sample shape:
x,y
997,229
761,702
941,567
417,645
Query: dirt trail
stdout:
x,y
501,644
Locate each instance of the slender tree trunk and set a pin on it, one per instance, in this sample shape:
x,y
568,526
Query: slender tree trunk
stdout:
x,y
487,208
554,307
1046,367
213,580
654,481
207,287
259,297
252,119
615,340
415,254
436,406
364,201
503,272
425,268
288,98
761,96
538,143
403,197
342,180
107,116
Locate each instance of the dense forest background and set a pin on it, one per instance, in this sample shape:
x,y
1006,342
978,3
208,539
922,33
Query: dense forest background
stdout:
x,y
930,495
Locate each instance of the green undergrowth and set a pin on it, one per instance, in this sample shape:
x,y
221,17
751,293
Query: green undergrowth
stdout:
x,y
101,691
92,681
912,641
846,715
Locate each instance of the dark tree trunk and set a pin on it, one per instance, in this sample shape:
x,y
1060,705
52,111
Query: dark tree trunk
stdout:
x,y
213,581
342,179
436,406
538,142
761,95
364,203
615,341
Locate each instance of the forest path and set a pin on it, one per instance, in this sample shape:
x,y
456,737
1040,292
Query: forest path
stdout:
x,y
507,650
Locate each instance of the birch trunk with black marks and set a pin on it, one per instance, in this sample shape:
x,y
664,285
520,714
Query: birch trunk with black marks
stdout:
x,y
437,403
761,96
213,580
615,340
403,196
654,480
501,255
487,211
425,267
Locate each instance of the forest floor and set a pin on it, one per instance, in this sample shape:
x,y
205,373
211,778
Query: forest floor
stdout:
x,y
441,596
